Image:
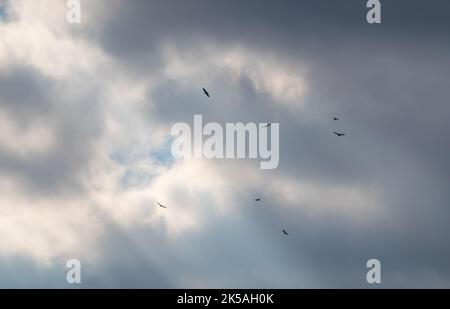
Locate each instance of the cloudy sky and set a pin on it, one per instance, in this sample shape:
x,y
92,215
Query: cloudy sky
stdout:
x,y
85,117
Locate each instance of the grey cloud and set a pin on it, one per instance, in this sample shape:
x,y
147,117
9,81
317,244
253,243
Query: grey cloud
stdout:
x,y
135,30
387,83
25,93
391,97
28,98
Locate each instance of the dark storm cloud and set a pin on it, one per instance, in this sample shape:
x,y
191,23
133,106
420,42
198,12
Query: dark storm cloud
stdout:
x,y
24,93
135,30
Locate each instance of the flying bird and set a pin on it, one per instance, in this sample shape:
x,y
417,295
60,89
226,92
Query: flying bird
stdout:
x,y
268,125
339,134
257,199
206,92
284,232
335,118
160,205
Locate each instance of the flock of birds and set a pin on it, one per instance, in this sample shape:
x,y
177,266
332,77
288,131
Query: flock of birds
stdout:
x,y
268,125
337,133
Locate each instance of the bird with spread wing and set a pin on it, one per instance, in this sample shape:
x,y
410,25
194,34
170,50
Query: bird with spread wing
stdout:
x,y
339,134
206,92
161,205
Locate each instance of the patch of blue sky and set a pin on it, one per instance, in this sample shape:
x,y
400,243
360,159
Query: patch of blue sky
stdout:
x,y
132,177
137,178
3,4
120,158
163,154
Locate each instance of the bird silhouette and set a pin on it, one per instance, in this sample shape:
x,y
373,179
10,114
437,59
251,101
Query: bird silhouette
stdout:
x,y
284,232
339,134
160,205
268,125
257,199
206,92
335,118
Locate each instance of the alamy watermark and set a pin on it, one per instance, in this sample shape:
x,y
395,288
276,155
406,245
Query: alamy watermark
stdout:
x,y
236,140
73,274
374,14
374,273
74,12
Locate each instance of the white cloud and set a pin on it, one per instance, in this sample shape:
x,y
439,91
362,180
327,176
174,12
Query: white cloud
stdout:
x,y
45,228
270,75
40,37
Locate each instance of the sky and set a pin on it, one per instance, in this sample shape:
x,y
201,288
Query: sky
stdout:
x,y
86,112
